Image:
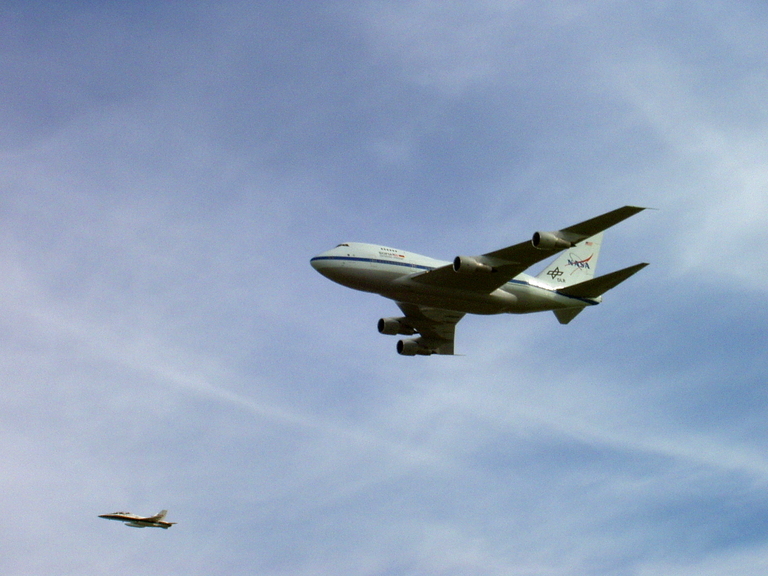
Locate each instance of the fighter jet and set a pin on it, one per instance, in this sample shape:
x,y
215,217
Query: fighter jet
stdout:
x,y
156,521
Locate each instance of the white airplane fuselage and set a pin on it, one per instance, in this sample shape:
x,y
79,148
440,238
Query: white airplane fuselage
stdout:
x,y
387,271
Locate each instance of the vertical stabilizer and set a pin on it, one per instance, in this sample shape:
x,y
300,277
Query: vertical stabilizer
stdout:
x,y
575,264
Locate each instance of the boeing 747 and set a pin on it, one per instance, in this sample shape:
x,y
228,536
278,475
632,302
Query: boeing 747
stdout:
x,y
434,295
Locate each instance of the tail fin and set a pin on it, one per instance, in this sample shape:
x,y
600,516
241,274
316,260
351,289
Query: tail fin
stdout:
x,y
575,265
160,515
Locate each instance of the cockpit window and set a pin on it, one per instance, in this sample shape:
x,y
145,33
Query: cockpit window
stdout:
x,y
344,244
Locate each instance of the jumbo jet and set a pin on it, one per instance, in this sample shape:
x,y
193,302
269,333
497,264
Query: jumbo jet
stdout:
x,y
434,295
156,521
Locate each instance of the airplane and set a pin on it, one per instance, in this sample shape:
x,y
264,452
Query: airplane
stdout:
x,y
434,295
156,521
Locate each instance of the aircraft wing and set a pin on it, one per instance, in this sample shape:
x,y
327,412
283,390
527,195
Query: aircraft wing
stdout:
x,y
503,265
435,325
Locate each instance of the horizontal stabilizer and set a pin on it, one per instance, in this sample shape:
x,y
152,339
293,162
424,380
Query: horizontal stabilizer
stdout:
x,y
565,315
597,286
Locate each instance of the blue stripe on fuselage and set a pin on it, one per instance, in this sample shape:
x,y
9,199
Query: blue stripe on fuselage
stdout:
x,y
373,261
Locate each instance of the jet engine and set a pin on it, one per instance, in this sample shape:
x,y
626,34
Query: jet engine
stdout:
x,y
468,265
550,241
412,348
394,326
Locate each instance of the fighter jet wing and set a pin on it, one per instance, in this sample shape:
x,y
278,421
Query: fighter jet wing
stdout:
x,y
495,269
435,325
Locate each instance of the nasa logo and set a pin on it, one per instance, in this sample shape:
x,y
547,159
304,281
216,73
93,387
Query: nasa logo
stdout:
x,y
579,264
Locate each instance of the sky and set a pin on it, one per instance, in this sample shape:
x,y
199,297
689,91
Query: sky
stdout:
x,y
168,169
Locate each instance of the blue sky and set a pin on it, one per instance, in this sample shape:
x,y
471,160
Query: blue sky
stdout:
x,y
167,170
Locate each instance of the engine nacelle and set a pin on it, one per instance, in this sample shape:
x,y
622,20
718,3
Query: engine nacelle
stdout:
x,y
412,347
469,265
394,326
550,241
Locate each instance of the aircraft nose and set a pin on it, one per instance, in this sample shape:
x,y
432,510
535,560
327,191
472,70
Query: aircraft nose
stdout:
x,y
321,262
326,263
315,262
